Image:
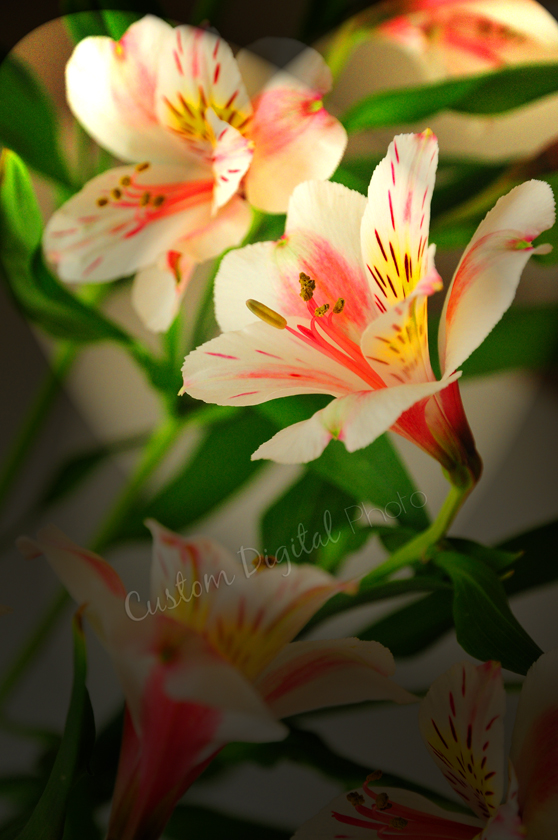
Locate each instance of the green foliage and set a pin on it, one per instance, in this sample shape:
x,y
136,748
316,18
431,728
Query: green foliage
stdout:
x,y
28,121
487,93
48,818
485,626
219,467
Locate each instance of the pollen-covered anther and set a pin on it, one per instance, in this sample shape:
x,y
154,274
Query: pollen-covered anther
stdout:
x,y
382,802
398,822
116,193
141,167
144,200
125,181
158,200
102,201
264,313
374,776
307,286
339,306
355,798
321,310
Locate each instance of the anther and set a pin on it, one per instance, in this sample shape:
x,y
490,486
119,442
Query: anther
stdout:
x,y
158,200
307,286
125,181
102,201
398,822
145,199
264,313
355,798
321,310
339,306
382,802
141,167
374,776
116,193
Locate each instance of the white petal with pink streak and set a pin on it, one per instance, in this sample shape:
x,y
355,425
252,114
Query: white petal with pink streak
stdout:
x,y
394,231
322,241
489,271
534,750
157,291
315,674
356,419
111,90
92,243
461,721
232,155
260,363
295,140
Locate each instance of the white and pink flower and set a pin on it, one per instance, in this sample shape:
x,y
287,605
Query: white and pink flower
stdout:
x,y
206,144
461,721
339,306
209,659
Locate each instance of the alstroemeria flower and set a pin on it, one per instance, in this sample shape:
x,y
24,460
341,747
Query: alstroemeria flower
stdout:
x,y
461,721
341,309
208,659
173,101
432,40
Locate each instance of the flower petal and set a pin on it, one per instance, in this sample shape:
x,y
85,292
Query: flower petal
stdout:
x,y
396,343
295,140
260,363
314,674
124,220
232,155
534,750
276,62
246,612
158,290
88,578
322,241
111,91
506,824
357,419
394,231
461,722
355,815
488,273
201,74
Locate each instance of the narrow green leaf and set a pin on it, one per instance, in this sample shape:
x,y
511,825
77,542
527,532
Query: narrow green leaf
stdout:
x,y
81,21
39,294
486,627
487,93
28,121
496,558
220,466
47,820
537,565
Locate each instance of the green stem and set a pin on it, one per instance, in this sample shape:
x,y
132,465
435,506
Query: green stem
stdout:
x,y
419,546
25,438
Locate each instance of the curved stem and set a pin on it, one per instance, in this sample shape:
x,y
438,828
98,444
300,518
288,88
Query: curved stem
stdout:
x,y
418,547
25,438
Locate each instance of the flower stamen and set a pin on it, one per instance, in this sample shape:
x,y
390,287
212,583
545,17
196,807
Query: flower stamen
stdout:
x,y
264,313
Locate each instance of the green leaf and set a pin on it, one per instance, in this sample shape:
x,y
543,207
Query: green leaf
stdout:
x,y
374,474
193,820
537,566
409,630
47,820
496,558
220,466
39,294
486,627
28,121
487,93
82,22
307,520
